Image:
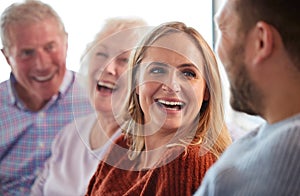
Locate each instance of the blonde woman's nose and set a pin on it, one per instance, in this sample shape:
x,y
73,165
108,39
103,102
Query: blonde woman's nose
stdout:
x,y
171,83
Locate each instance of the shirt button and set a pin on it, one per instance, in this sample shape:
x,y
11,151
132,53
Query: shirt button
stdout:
x,y
42,114
41,145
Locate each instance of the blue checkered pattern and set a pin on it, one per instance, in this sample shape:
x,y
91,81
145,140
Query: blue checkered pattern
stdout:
x,y
25,136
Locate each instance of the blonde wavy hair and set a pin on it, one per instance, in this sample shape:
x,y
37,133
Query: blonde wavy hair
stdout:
x,y
211,132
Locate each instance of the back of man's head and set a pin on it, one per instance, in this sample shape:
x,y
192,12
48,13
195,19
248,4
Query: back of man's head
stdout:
x,y
283,15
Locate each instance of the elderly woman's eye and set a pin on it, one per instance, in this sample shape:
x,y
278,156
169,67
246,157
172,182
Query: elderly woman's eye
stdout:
x,y
123,60
157,70
101,54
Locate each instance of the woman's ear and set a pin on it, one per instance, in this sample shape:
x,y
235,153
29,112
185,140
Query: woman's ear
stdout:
x,y
137,90
206,94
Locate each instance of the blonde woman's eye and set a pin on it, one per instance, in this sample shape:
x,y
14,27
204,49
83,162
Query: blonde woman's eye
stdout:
x,y
189,74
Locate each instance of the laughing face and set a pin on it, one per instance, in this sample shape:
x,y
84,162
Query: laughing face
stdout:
x,y
107,66
37,58
171,85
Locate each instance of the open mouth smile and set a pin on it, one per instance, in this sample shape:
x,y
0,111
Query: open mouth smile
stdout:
x,y
107,87
170,105
44,78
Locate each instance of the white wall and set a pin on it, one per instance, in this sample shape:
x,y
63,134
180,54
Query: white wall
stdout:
x,y
83,19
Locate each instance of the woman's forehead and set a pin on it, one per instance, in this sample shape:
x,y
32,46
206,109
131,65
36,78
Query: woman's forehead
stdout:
x,y
122,40
176,46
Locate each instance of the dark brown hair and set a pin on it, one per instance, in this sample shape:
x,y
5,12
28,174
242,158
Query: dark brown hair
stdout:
x,y
283,15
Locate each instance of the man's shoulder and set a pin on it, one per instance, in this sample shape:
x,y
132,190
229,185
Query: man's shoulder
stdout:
x,y
283,135
3,83
4,87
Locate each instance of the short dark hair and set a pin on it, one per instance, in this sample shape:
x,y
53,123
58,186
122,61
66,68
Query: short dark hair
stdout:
x,y
283,15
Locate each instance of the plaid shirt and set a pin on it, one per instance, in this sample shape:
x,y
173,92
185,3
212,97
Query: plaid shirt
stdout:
x,y
25,136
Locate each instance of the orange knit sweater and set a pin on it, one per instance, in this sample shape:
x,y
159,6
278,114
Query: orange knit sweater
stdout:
x,y
180,175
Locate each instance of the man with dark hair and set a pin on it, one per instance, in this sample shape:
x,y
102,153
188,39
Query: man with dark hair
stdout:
x,y
259,47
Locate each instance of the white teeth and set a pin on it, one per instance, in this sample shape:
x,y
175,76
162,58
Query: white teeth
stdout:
x,y
107,85
172,103
43,78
